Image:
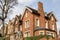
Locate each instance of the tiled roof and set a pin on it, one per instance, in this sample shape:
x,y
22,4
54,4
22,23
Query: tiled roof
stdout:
x,y
33,10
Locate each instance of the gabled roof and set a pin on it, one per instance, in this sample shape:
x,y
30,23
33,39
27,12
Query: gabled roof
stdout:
x,y
48,16
34,11
51,14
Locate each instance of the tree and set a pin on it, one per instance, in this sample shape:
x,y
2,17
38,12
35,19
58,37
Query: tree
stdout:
x,y
0,35
5,6
46,36
39,37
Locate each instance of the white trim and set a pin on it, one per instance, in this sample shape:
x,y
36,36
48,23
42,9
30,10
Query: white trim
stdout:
x,y
53,27
26,32
38,22
53,34
52,18
29,9
46,24
48,33
26,14
25,10
28,22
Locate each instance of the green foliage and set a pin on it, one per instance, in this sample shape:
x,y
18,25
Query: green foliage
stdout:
x,y
38,37
49,36
0,35
29,38
1,38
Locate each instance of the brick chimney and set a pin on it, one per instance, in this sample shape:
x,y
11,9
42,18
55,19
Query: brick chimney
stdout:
x,y
40,9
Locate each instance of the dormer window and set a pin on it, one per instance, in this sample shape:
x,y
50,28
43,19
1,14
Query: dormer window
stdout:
x,y
26,13
37,22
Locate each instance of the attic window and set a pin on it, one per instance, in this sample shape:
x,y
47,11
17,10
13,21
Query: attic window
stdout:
x,y
52,18
26,13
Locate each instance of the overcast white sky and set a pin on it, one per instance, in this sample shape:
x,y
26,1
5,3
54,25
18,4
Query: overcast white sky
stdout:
x,y
49,5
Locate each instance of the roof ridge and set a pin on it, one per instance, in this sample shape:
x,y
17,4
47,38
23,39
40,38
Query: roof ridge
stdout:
x,y
31,8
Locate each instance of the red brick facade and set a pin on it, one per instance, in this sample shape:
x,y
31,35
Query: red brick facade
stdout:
x,y
39,14
34,23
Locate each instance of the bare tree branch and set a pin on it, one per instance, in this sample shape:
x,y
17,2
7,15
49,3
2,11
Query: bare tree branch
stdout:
x,y
1,2
0,7
0,17
6,5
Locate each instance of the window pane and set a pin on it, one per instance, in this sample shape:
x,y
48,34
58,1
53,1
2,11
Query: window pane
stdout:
x,y
46,25
41,33
26,13
48,33
52,18
37,22
27,34
52,26
27,24
52,34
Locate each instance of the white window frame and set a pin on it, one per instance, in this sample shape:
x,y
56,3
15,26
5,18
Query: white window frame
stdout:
x,y
26,13
37,22
27,34
48,33
46,24
52,34
53,27
27,23
52,18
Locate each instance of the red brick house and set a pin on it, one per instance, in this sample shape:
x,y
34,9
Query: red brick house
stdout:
x,y
13,30
36,22
33,23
